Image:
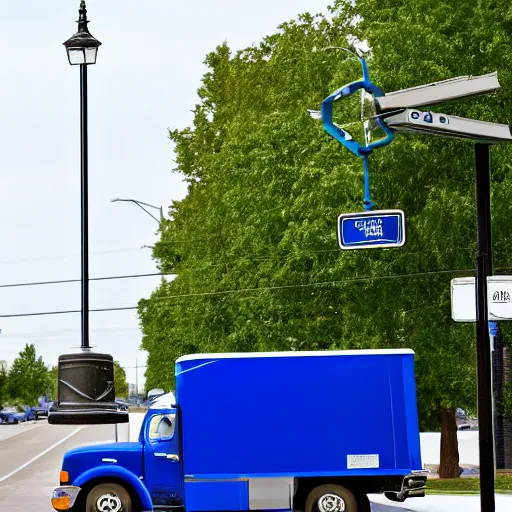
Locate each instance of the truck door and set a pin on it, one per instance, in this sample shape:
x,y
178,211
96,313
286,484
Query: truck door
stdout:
x,y
163,473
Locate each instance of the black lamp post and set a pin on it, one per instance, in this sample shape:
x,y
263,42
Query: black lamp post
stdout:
x,y
82,49
85,388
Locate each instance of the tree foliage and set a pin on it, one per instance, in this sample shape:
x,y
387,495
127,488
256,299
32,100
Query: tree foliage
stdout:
x,y
3,385
507,402
253,244
28,377
120,382
53,374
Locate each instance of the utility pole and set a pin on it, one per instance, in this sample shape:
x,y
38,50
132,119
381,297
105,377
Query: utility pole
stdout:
x,y
137,378
483,343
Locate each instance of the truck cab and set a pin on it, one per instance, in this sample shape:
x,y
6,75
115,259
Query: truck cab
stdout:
x,y
127,476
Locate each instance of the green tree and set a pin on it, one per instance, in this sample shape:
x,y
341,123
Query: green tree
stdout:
x,y
507,401
120,382
28,377
53,375
3,385
254,245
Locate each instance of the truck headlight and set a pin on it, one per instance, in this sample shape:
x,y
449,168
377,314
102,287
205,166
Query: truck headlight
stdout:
x,y
64,497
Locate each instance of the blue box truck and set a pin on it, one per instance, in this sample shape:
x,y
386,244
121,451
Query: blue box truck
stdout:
x,y
310,431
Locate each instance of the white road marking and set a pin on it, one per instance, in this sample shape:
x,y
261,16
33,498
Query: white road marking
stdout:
x,y
42,454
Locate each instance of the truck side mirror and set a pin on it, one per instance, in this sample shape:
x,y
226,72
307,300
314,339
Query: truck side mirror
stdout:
x,y
86,391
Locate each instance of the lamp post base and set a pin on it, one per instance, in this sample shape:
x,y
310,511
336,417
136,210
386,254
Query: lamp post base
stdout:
x,y
86,391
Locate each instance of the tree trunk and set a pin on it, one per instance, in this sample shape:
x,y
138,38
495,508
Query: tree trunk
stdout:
x,y
449,457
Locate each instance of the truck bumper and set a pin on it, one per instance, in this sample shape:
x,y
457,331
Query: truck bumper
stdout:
x,y
413,486
63,497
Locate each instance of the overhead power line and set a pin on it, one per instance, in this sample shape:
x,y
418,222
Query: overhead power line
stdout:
x,y
65,333
63,281
72,255
309,285
66,312
267,288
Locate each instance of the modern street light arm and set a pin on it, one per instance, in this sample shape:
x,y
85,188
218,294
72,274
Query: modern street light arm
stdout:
x,y
141,205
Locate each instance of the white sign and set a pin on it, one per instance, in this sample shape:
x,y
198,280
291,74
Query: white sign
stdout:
x,y
363,461
499,296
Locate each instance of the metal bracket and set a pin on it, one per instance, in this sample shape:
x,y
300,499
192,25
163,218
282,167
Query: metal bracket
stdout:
x,y
394,112
342,136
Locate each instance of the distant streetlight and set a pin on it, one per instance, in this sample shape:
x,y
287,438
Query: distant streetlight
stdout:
x,y
140,204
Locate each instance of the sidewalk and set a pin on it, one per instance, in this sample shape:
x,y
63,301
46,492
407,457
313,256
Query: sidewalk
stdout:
x,y
437,503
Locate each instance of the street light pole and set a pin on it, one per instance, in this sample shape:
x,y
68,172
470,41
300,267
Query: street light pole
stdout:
x,y
137,378
85,381
82,50
141,205
84,206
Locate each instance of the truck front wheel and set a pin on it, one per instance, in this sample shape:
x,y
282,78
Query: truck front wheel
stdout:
x,y
108,497
331,498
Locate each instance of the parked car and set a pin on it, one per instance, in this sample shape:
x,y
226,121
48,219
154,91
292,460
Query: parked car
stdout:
x,y
29,414
461,413
12,416
41,410
122,404
464,420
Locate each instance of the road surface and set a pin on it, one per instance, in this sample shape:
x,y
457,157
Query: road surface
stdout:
x,y
31,457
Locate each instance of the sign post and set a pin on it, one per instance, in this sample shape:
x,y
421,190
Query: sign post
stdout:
x,y
483,344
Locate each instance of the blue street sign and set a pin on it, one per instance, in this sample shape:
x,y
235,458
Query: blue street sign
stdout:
x,y
493,328
384,228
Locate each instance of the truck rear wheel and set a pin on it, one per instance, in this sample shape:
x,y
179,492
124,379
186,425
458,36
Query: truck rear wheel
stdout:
x,y
108,497
331,498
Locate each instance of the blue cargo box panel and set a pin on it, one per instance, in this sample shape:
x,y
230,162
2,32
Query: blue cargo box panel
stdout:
x,y
299,414
202,495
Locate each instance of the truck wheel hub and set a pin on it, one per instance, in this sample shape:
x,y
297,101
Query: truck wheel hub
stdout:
x,y
331,503
109,503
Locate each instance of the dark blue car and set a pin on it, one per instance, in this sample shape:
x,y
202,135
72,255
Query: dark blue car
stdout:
x,y
41,409
12,416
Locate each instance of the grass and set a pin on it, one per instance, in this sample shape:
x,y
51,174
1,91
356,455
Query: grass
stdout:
x,y
468,484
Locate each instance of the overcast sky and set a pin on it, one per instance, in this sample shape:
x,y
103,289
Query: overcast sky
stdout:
x,y
149,68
